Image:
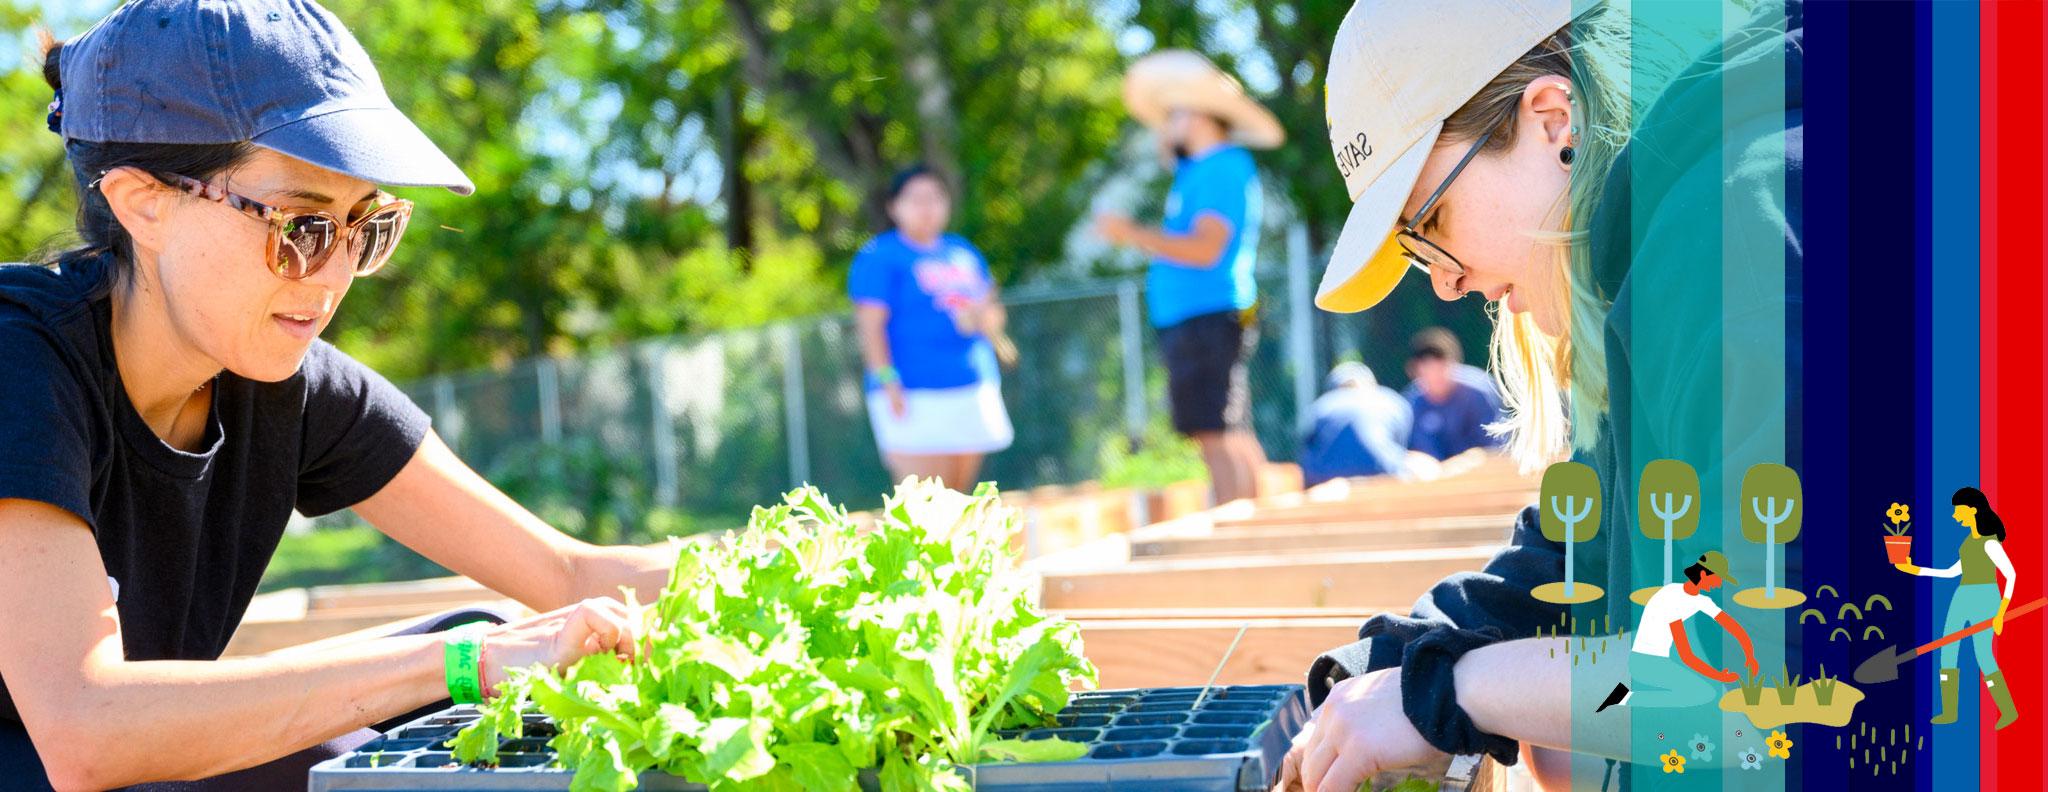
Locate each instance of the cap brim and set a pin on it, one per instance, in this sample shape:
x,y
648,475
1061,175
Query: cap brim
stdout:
x,y
1156,85
376,144
1367,263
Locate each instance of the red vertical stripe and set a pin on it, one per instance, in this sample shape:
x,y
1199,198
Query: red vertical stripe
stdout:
x,y
2014,435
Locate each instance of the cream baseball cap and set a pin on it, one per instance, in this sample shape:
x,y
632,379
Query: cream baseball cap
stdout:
x,y
1397,70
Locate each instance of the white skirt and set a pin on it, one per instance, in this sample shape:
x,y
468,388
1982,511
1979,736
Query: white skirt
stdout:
x,y
966,420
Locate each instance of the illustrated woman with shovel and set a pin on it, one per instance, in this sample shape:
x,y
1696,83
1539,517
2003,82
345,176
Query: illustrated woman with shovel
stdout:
x,y
1978,599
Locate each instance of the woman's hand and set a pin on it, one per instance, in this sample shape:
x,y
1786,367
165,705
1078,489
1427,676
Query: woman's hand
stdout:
x,y
1116,229
897,405
1360,731
1908,569
560,637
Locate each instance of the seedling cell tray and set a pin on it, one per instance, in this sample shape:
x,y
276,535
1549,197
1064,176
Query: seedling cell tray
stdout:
x,y
1143,740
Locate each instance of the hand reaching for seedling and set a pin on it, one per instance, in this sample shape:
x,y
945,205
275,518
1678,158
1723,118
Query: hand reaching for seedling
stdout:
x,y
560,637
1359,731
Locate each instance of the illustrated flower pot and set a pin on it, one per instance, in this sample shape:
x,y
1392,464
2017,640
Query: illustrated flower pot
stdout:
x,y
1899,549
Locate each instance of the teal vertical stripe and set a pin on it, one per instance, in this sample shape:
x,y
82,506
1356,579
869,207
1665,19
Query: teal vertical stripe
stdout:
x,y
1676,340
1953,262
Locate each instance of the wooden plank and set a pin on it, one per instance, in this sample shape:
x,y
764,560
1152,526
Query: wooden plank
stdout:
x,y
1177,500
1166,652
1276,478
1380,578
263,635
1050,526
1200,527
1318,541
1361,488
448,591
260,637
1387,508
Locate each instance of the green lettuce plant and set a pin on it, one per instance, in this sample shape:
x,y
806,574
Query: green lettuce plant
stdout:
x,y
803,651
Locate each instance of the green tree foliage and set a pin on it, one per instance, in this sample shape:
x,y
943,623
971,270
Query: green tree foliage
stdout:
x,y
1668,504
1772,507
662,166
1569,499
1288,40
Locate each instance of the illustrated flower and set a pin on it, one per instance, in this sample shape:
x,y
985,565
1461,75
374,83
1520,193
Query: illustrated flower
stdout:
x,y
1781,746
1751,760
1673,763
1702,748
1898,513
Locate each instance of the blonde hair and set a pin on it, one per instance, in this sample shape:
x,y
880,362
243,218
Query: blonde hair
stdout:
x,y
1555,387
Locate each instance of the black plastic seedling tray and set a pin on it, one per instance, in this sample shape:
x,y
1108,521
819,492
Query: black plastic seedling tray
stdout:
x,y
1144,740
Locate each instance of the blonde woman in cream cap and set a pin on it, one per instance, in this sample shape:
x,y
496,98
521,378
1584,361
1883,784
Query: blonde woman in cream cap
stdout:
x,y
1487,146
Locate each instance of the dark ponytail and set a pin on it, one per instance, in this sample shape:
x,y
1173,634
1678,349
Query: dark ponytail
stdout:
x,y
100,234
1988,523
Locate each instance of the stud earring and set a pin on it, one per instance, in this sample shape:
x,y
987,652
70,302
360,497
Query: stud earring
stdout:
x,y
1566,155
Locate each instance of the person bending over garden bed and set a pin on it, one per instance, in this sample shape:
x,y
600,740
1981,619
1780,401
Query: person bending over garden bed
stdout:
x,y
1494,149
169,404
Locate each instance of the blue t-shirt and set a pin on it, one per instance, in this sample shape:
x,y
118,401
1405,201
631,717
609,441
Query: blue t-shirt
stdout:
x,y
1224,182
923,288
1459,423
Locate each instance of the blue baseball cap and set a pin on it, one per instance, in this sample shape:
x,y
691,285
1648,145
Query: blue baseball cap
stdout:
x,y
280,74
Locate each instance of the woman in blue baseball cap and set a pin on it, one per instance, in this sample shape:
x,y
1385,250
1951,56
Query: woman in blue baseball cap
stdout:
x,y
170,404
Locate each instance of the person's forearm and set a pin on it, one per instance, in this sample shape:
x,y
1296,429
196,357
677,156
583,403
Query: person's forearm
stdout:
x,y
874,346
602,571
133,722
1697,665
1188,250
1734,628
1529,691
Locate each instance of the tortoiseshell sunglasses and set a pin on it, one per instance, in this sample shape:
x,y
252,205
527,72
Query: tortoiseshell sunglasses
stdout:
x,y
302,241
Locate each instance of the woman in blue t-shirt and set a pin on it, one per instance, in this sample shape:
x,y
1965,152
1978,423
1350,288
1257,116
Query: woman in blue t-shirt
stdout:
x,y
926,310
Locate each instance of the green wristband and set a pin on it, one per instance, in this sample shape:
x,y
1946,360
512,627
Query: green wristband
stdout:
x,y
462,657
886,375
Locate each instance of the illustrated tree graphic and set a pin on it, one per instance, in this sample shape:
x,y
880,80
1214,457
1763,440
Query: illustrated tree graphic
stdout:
x,y
1570,504
1772,507
1665,505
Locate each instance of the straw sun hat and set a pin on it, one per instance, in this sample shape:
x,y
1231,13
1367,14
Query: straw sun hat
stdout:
x,y
1164,81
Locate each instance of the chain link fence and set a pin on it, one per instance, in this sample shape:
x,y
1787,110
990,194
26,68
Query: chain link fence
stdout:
x,y
694,431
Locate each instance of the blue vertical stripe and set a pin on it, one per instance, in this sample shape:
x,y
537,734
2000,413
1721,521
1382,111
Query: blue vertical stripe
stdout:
x,y
1950,268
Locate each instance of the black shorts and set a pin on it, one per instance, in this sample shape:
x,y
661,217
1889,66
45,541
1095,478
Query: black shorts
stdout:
x,y
1205,371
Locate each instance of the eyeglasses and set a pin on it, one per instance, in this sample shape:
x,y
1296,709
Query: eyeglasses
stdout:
x,y
1422,253
301,242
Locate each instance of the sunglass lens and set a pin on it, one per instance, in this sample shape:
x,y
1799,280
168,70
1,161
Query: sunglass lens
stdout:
x,y
378,236
308,240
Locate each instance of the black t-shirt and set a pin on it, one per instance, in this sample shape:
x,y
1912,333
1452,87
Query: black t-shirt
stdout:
x,y
184,536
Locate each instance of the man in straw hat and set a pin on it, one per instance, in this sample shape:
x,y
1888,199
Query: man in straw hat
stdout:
x,y
1198,291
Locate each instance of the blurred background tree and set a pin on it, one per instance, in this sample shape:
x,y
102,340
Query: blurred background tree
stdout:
x,y
667,168
651,167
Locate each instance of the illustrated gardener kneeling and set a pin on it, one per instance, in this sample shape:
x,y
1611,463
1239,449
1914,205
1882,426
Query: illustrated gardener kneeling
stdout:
x,y
1661,679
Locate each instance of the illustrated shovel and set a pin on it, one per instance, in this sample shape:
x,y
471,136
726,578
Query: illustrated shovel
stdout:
x,y
1884,666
